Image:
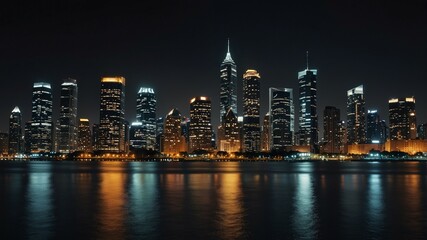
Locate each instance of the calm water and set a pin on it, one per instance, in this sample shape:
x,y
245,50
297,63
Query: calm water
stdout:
x,y
146,200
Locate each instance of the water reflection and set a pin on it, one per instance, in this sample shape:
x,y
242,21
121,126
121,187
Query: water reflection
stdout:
x,y
39,200
375,200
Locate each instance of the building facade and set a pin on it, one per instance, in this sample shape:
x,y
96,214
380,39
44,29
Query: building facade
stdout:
x,y
230,139
200,130
67,128
282,118
15,132
146,114
373,127
41,118
251,111
331,130
137,138
228,85
84,136
173,140
111,136
266,134
308,125
402,118
356,119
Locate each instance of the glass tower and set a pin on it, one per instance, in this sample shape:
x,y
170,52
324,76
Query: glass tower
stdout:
x,y
173,140
228,85
146,115
84,136
331,132
111,115
67,128
373,127
281,118
41,118
308,126
15,131
356,120
251,111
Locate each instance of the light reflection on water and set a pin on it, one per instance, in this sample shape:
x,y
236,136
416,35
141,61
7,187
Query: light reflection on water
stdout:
x,y
116,200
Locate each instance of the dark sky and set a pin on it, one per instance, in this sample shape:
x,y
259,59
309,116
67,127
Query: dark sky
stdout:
x,y
176,47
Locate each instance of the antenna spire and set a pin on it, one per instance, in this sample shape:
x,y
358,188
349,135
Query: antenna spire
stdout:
x,y
228,45
307,58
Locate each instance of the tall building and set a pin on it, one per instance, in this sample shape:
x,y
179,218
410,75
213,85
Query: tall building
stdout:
x,y
67,135
230,141
136,135
15,131
251,111
331,130
146,114
356,121
111,115
160,122
308,126
84,136
95,137
200,131
4,143
403,121
384,130
173,140
27,137
373,127
266,134
228,85
41,118
281,118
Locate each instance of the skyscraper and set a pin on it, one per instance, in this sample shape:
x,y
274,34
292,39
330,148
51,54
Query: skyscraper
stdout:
x,y
67,135
15,131
356,121
228,85
230,141
160,122
146,114
84,141
200,131
308,126
136,135
95,137
281,118
173,140
403,122
373,127
422,131
111,115
251,111
331,132
41,118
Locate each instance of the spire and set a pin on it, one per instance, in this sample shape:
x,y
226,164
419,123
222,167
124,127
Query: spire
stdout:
x,y
307,59
228,56
16,110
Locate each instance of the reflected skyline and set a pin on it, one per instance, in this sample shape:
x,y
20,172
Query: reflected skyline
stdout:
x,y
214,201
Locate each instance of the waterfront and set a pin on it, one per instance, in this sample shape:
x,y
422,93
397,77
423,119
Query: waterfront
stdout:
x,y
213,200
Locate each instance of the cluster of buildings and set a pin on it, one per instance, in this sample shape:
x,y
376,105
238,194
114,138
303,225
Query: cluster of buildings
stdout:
x,y
172,135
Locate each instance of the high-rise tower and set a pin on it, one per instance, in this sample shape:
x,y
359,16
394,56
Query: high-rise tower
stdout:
x,y
146,115
308,126
200,131
111,115
41,118
251,111
173,142
84,142
281,118
373,127
228,85
331,132
67,135
403,121
356,120
15,131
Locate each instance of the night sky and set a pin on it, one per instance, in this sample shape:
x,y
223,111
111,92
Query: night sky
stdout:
x,y
176,47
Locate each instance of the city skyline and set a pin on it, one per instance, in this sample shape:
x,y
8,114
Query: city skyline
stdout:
x,y
378,45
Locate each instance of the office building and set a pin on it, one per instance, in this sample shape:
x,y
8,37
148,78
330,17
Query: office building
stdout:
x,y
373,127
228,85
136,136
173,140
331,130
200,130
84,136
67,128
41,118
251,111
266,133
402,118
230,139
356,120
111,115
15,131
146,115
281,118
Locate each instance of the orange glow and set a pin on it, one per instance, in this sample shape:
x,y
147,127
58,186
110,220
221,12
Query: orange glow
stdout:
x,y
114,80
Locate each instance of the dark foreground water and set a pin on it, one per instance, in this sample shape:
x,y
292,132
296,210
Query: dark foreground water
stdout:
x,y
146,200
